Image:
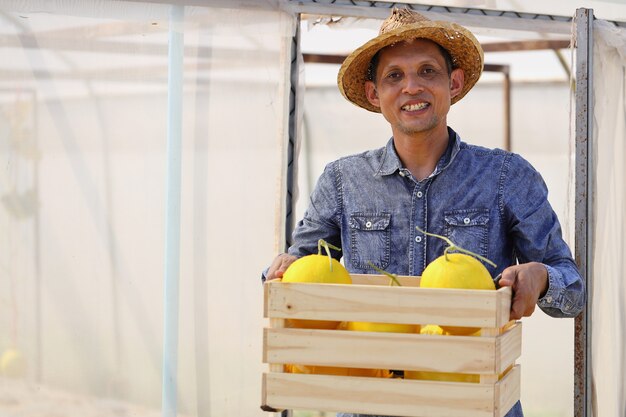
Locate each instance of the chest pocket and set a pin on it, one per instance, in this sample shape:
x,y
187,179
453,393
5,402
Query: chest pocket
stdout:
x,y
370,240
468,229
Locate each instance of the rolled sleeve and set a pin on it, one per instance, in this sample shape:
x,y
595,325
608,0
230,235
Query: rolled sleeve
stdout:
x,y
563,298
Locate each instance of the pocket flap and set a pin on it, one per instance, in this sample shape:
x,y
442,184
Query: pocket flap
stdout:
x,y
370,221
477,217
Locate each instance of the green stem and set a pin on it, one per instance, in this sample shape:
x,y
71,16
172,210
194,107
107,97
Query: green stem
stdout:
x,y
394,279
452,246
327,247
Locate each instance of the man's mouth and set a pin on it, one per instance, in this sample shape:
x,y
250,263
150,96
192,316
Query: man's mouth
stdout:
x,y
415,107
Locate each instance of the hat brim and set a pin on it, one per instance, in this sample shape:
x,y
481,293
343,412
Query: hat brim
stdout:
x,y
463,47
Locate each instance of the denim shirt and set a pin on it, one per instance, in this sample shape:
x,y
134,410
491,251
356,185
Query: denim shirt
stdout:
x,y
491,202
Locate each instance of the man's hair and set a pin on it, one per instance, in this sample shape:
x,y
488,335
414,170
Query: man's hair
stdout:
x,y
373,65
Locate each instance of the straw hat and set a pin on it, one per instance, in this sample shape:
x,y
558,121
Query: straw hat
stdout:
x,y
403,25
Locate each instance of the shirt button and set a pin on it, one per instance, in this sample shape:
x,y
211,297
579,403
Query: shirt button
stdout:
x,y
466,220
402,174
549,300
420,194
368,224
418,239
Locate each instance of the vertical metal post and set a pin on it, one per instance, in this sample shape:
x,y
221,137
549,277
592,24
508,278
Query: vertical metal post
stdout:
x,y
172,226
507,108
293,135
292,157
583,207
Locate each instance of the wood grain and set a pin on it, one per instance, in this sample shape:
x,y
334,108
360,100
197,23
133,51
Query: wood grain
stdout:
x,y
391,396
385,304
464,354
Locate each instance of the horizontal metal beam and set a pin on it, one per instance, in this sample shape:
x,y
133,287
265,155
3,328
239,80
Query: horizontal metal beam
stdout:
x,y
473,17
530,45
515,46
338,59
505,69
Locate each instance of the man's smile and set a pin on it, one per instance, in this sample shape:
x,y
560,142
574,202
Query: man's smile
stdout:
x,y
415,106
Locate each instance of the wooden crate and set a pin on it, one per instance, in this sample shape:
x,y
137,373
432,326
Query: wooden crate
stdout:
x,y
491,355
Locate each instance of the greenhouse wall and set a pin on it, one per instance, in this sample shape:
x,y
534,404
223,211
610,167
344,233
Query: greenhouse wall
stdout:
x,y
83,148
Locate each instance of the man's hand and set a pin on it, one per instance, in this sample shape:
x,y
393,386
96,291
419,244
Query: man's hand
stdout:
x,y
279,266
529,283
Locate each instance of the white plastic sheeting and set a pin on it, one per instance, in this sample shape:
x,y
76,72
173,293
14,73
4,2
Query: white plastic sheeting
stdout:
x,y
608,290
83,110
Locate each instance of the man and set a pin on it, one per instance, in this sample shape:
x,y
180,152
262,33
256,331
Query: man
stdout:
x,y
490,202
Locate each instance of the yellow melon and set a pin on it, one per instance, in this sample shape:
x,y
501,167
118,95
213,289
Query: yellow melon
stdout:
x,y
12,363
318,269
457,270
329,370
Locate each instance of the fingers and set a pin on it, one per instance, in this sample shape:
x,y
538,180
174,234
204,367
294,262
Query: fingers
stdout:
x,y
522,303
521,306
528,282
279,266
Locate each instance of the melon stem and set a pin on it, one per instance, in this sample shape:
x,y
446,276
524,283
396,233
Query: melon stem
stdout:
x,y
327,247
394,279
452,246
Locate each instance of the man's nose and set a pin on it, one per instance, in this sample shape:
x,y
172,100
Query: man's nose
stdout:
x,y
413,84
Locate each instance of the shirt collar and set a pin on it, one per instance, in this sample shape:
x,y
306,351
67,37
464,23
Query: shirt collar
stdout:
x,y
390,162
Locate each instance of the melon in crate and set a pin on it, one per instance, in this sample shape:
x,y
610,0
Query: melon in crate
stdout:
x,y
457,270
317,269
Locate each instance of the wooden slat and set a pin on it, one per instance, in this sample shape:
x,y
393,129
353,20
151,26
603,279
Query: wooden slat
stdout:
x,y
275,324
264,396
390,396
508,391
385,304
266,300
509,347
464,354
503,309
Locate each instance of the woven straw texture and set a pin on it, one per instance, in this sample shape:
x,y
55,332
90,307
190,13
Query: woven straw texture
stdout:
x,y
401,26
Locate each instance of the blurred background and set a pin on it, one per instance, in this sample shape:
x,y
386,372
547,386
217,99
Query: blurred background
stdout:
x,y
85,120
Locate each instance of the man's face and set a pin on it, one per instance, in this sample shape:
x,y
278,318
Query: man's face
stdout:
x,y
412,88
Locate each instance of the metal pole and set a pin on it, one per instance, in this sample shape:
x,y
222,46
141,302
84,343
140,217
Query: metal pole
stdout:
x,y
292,146
507,109
583,207
172,226
293,136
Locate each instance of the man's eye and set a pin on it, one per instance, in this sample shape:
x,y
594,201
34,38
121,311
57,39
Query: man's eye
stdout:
x,y
394,75
429,71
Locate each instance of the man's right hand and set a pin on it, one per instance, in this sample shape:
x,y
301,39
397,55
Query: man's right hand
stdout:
x,y
279,266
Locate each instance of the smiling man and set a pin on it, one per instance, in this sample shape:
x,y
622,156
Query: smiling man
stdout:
x,y
413,91
488,201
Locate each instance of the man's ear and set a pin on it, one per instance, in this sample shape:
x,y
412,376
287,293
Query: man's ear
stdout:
x,y
457,82
371,93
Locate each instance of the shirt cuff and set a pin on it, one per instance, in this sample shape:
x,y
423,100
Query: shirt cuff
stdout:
x,y
554,293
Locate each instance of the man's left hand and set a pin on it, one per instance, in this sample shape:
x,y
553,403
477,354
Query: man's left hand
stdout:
x,y
529,283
